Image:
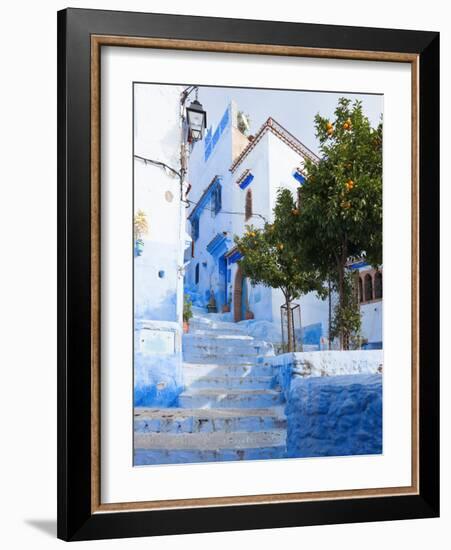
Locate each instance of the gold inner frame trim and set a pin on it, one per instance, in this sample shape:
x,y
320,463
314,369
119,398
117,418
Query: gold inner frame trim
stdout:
x,y
97,41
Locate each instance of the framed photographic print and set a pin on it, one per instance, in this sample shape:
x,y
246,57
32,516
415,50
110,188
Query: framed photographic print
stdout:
x,y
248,274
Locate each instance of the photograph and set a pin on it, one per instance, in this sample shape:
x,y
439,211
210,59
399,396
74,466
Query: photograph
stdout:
x,y
257,251
248,272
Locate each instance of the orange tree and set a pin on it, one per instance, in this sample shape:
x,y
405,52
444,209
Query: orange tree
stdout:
x,y
272,257
341,205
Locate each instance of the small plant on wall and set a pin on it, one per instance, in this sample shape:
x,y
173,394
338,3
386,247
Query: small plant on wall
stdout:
x,y
243,123
140,228
187,312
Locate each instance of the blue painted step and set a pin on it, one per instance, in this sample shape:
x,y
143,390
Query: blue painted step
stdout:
x,y
208,420
231,382
197,370
220,398
166,448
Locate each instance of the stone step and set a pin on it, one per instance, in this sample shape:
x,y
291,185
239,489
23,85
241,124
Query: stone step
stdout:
x,y
202,333
231,382
218,357
225,398
151,448
208,420
215,326
201,330
219,337
215,346
198,370
144,457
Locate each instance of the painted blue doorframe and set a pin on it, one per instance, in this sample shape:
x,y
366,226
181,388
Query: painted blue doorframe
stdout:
x,y
222,267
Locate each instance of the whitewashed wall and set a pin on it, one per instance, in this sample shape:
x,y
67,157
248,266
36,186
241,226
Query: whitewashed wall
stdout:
x,y
201,173
372,321
157,133
158,274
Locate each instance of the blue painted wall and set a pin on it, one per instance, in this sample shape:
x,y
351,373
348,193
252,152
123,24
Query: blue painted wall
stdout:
x,y
335,416
311,334
158,380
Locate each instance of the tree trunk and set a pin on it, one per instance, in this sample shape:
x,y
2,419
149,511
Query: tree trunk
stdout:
x,y
290,343
330,313
344,340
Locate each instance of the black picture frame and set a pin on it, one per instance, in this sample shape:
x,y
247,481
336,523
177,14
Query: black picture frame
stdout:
x,y
76,521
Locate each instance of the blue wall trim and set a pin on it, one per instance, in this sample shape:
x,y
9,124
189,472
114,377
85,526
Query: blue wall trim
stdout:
x,y
247,181
218,245
358,265
299,177
205,198
235,257
211,139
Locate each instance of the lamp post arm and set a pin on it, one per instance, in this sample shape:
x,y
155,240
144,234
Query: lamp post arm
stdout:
x,y
158,163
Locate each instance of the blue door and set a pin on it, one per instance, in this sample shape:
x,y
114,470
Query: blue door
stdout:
x,y
222,267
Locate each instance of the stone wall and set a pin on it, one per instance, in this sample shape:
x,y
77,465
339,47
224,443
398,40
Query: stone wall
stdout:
x,y
335,416
312,364
334,401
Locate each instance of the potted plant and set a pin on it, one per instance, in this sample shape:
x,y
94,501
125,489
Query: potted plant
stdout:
x,y
226,308
140,228
243,123
211,306
249,315
187,312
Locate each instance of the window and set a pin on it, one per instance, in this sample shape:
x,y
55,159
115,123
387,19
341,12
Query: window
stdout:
x,y
248,206
368,284
378,285
196,274
217,200
195,229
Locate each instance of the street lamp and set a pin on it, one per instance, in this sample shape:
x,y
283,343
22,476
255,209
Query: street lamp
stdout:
x,y
197,121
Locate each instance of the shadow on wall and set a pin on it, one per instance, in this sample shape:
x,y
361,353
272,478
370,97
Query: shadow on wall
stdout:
x,y
162,309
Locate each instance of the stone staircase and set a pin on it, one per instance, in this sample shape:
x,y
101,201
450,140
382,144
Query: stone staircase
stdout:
x,y
231,408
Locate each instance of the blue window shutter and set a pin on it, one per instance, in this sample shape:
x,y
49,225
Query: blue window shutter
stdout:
x,y
218,199
195,229
247,181
299,177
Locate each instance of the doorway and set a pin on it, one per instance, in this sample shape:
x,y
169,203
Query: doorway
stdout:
x,y
239,296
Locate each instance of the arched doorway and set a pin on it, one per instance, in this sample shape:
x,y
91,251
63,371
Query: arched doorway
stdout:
x,y
239,296
368,286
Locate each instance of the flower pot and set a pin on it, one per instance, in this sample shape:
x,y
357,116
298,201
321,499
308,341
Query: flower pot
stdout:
x,y
249,315
139,247
226,308
185,327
